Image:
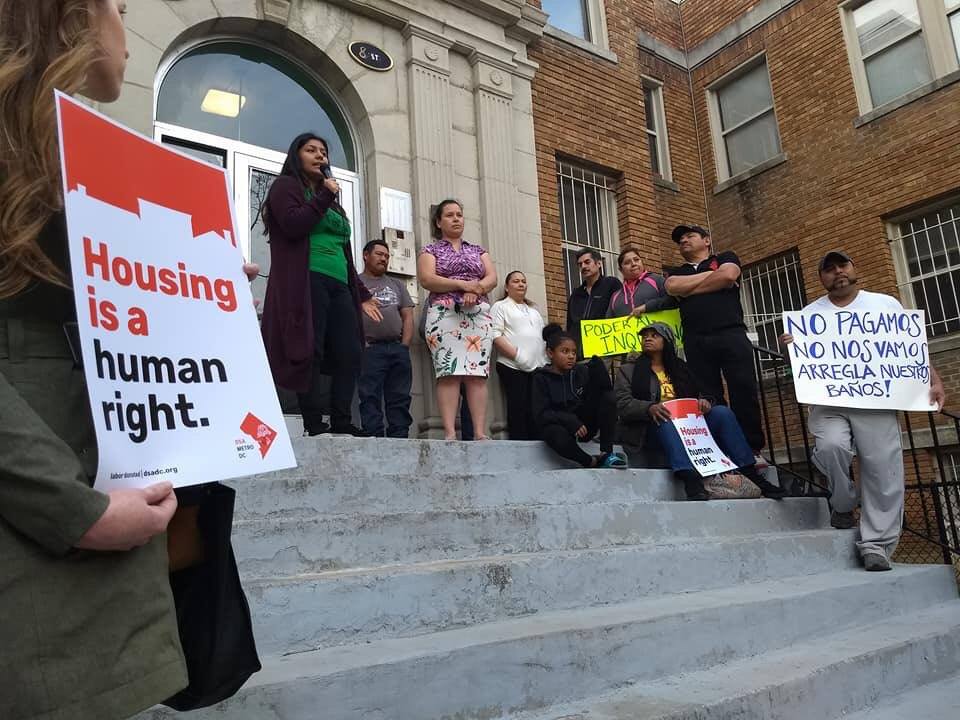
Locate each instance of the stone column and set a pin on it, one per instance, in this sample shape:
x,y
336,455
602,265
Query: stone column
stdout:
x,y
431,130
493,99
495,142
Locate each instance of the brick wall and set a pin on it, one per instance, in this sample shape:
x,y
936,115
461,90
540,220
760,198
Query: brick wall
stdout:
x,y
838,186
840,182
686,202
703,18
589,109
665,22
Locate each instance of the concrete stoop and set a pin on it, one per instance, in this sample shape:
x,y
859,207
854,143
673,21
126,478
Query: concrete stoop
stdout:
x,y
426,580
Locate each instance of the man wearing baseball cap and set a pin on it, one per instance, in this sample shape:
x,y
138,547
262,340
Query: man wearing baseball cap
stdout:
x,y
707,287
873,435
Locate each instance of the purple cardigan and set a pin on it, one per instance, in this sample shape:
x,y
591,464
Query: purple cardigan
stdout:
x,y
287,323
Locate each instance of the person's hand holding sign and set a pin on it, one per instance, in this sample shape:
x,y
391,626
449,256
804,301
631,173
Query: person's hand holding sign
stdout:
x,y
704,406
582,432
938,396
786,339
252,270
131,519
659,413
638,310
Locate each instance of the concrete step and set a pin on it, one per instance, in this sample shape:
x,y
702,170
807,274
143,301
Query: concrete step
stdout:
x,y
514,665
267,548
827,677
935,701
325,456
288,496
305,612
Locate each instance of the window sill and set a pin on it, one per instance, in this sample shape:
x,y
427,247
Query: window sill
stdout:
x,y
665,184
945,343
752,172
579,42
910,97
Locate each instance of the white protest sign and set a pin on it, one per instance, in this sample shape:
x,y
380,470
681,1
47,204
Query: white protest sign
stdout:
x,y
177,374
702,449
869,359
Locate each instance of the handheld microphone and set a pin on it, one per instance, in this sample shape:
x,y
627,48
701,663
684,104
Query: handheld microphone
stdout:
x,y
328,175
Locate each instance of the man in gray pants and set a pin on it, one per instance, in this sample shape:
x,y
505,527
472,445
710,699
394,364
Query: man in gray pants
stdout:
x,y
873,435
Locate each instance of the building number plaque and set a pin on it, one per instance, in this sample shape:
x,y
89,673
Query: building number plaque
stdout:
x,y
370,56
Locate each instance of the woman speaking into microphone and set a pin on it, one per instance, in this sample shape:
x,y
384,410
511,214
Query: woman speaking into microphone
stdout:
x,y
311,316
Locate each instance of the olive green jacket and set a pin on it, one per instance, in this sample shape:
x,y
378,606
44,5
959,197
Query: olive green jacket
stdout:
x,y
83,635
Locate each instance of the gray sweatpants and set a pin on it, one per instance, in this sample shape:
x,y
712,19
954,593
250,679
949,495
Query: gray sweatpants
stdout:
x,y
874,436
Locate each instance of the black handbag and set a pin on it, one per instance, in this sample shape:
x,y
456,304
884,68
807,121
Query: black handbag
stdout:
x,y
216,631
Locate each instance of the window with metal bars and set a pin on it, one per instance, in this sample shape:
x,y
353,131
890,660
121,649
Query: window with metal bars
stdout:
x,y
588,217
767,289
927,252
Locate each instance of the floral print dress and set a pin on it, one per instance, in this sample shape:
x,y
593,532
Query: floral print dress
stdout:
x,y
460,339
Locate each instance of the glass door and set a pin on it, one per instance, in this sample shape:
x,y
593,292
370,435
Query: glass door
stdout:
x,y
252,177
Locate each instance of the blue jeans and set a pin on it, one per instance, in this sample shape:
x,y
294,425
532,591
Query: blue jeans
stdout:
x,y
385,380
725,430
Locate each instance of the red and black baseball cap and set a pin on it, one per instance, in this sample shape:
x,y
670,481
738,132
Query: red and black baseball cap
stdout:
x,y
680,230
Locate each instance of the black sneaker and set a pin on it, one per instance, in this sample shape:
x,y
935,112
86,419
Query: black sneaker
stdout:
x,y
842,520
693,485
319,429
768,489
349,429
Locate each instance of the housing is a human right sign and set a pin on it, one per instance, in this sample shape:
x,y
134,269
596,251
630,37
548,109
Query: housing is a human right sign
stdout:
x,y
167,333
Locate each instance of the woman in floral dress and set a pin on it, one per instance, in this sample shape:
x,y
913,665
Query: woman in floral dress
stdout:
x,y
459,328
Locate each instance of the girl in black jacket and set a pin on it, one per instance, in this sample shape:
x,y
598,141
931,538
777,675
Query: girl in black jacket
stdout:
x,y
571,402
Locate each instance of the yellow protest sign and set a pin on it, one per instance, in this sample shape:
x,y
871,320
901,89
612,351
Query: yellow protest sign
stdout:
x,y
616,336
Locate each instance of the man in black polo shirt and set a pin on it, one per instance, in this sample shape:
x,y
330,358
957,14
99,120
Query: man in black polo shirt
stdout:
x,y
591,300
707,286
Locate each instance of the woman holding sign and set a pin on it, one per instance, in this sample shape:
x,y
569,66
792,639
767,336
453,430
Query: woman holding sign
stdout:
x,y
644,382
642,291
89,629
312,310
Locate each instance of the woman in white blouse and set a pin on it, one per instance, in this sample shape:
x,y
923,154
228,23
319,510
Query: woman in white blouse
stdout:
x,y
517,332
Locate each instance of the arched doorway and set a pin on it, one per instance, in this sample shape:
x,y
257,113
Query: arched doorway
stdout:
x,y
238,106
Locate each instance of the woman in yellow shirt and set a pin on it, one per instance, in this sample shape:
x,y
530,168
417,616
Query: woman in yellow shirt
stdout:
x,y
655,376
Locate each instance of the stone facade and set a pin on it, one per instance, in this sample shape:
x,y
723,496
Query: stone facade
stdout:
x,y
452,118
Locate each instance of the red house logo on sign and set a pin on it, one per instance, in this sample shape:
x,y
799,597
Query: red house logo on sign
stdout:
x,y
262,433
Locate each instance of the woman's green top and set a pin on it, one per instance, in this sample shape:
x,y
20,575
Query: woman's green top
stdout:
x,y
328,239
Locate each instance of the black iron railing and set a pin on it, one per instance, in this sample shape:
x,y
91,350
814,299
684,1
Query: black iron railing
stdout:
x,y
931,463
